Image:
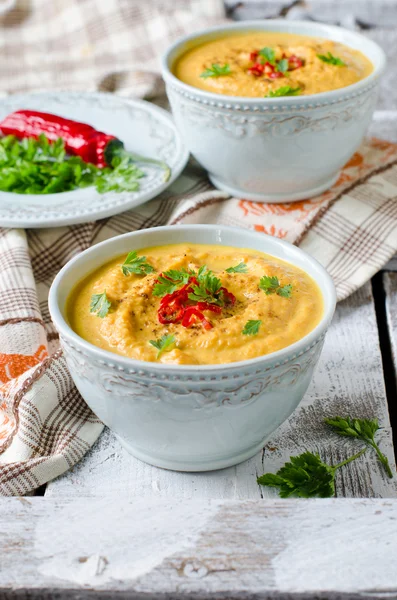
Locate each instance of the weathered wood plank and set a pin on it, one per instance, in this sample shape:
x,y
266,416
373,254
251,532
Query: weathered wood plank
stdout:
x,y
348,380
198,548
390,281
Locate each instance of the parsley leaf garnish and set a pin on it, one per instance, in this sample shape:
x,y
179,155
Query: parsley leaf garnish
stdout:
x,y
282,65
163,344
251,327
208,287
216,70
271,285
331,59
305,476
268,54
285,291
169,281
240,268
362,429
136,264
100,304
285,90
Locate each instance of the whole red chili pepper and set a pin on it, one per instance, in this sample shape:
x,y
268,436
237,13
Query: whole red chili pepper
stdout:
x,y
80,139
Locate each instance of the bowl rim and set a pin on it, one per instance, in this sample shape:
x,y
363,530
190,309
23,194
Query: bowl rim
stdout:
x,y
326,286
274,24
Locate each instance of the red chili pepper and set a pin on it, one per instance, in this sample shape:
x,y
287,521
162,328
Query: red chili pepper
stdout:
x,y
257,69
175,307
207,306
192,312
254,55
80,139
275,75
294,62
228,297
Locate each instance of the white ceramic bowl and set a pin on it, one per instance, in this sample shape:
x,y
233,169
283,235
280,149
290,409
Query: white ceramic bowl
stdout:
x,y
274,149
189,417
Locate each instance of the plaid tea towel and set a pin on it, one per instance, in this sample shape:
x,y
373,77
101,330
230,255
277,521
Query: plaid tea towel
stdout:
x,y
45,426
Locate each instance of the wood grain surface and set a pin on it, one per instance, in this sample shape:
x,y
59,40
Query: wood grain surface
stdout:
x,y
145,548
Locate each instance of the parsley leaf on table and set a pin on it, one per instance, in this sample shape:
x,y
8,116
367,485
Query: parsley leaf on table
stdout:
x,y
331,59
251,327
361,429
271,285
163,344
216,70
285,90
305,476
100,305
136,264
240,268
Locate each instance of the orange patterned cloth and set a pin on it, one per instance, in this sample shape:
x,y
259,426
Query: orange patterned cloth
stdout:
x,y
45,426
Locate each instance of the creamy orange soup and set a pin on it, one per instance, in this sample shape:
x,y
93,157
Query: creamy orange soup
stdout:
x,y
220,304
267,63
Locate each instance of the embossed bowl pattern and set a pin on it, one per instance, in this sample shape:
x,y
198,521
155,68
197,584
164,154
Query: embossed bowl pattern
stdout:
x,y
274,149
190,417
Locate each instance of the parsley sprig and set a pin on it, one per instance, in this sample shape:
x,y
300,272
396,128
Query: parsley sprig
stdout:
x,y
164,344
361,429
271,285
136,264
305,476
285,90
100,304
252,327
240,268
269,55
170,281
208,288
331,59
216,70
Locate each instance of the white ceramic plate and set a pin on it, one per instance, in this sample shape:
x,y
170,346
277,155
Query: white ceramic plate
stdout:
x,y
144,128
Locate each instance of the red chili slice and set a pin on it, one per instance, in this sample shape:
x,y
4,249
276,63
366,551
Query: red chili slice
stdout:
x,y
192,312
275,75
254,55
175,307
228,297
207,306
294,62
257,69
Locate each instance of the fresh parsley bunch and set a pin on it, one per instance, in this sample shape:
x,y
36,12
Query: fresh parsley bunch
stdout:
x,y
31,166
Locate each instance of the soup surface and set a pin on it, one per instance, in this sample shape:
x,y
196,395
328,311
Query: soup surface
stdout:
x,y
271,64
195,304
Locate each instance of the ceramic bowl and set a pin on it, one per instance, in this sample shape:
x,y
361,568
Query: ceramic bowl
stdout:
x,y
190,417
274,149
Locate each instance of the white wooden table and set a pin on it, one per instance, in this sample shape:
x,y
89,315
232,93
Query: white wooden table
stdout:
x,y
116,527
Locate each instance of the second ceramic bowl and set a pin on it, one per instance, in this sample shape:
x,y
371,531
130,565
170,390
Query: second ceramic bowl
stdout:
x,y
274,149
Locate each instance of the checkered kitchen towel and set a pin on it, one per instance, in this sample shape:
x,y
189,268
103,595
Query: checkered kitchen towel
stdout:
x,y
113,45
